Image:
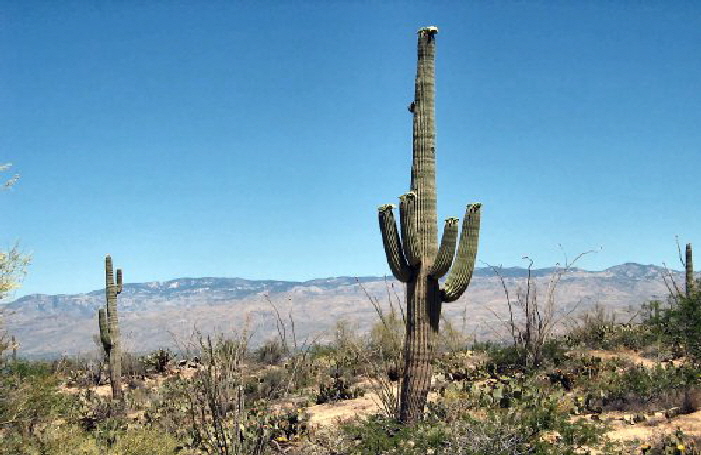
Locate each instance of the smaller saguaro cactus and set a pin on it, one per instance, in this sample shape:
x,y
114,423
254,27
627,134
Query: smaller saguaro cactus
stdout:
x,y
15,345
109,328
689,265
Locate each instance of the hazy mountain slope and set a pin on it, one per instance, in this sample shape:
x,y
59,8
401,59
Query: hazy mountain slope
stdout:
x,y
159,314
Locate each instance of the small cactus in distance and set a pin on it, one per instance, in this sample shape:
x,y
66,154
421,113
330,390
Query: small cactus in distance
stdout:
x,y
689,266
109,328
14,345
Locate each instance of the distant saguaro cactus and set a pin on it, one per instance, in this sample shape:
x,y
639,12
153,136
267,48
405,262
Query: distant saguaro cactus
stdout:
x,y
416,258
689,266
15,345
109,328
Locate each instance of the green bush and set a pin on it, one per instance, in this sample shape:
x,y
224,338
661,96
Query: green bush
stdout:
x,y
679,325
598,329
144,441
510,358
54,440
22,369
387,337
271,352
31,402
158,360
379,435
647,389
674,444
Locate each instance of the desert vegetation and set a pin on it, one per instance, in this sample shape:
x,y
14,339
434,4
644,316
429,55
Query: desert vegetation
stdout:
x,y
558,382
601,387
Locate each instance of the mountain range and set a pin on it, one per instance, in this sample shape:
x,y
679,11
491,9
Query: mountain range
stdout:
x,y
167,314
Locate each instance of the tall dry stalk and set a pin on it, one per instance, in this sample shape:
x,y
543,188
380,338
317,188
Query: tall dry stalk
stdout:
x,y
532,322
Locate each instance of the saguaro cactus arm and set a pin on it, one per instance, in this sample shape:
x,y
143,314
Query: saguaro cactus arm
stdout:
x,y
119,281
109,272
446,252
104,329
461,272
407,219
392,243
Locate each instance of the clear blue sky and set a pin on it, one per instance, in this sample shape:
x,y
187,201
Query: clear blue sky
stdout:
x,y
256,139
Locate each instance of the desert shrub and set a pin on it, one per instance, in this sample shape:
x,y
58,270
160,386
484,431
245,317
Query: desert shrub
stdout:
x,y
679,325
599,329
337,389
381,355
515,357
74,440
22,369
648,389
378,435
281,424
591,328
92,410
486,436
501,434
145,441
483,347
320,351
158,360
535,313
269,383
170,410
133,365
223,409
54,440
512,416
347,345
215,397
533,420
506,358
271,352
526,404
676,443
29,402
387,337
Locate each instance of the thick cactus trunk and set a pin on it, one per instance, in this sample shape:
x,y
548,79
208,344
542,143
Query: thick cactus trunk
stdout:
x,y
689,265
109,329
416,258
423,298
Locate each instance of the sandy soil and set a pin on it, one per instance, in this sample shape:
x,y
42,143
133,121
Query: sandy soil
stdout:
x,y
690,424
630,356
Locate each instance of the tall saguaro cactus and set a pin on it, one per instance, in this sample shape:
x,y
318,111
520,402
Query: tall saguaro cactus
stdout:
x,y
109,328
689,266
415,258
